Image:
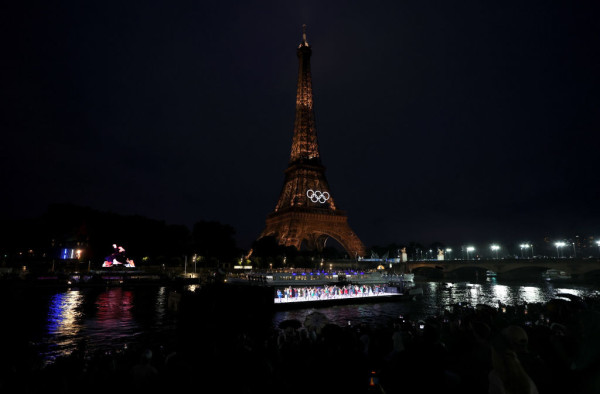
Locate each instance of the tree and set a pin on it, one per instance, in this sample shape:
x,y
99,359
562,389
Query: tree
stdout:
x,y
214,240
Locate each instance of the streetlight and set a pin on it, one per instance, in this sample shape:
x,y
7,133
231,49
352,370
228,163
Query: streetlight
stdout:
x,y
448,250
574,252
525,246
469,249
598,243
495,248
559,245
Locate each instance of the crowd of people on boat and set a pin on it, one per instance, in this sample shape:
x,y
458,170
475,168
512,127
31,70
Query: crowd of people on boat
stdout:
x,y
529,348
314,293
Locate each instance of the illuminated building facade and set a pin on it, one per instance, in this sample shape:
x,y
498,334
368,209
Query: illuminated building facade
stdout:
x,y
306,210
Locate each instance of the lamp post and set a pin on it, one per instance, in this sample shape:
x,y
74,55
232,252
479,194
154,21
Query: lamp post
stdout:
x,y
559,245
448,250
495,248
469,249
574,251
598,243
525,246
522,246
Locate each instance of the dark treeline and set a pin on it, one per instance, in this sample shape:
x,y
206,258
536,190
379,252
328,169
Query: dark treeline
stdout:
x,y
94,232
268,253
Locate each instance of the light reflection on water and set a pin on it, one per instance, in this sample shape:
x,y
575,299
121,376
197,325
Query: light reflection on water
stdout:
x,y
161,301
104,320
64,320
438,296
109,318
575,292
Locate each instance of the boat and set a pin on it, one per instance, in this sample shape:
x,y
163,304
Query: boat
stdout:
x,y
555,275
311,278
405,277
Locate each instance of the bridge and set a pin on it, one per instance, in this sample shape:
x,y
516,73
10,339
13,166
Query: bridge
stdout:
x,y
576,268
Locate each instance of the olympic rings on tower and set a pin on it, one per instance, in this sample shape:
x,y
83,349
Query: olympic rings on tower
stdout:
x,y
317,196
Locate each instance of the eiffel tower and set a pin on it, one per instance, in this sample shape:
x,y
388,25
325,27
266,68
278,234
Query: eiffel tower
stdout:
x,y
306,210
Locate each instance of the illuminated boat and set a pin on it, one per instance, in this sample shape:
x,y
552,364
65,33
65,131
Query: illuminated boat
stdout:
x,y
555,275
308,278
405,277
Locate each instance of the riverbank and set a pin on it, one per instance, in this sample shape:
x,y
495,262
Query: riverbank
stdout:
x,y
108,277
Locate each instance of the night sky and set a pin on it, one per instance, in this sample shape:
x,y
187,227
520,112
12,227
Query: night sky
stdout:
x,y
466,121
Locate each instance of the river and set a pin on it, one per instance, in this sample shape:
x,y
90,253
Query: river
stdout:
x,y
55,321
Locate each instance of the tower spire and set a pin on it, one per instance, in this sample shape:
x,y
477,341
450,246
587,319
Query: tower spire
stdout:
x,y
304,145
304,35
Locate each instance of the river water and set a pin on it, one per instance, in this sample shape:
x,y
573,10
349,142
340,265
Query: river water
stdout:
x,y
55,321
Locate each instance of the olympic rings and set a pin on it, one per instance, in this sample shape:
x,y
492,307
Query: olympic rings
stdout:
x,y
317,196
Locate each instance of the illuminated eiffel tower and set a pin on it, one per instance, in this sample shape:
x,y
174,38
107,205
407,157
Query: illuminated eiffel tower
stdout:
x,y
306,210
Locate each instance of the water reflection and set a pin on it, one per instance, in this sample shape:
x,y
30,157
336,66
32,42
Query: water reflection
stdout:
x,y
114,312
438,296
109,318
160,303
63,324
531,294
574,292
501,293
63,314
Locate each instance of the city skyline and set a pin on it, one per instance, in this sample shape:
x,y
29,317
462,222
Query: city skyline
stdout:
x,y
436,123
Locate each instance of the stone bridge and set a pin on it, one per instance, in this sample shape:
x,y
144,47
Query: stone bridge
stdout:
x,y
576,268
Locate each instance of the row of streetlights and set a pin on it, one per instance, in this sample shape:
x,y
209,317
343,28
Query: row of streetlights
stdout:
x,y
496,248
561,244
524,246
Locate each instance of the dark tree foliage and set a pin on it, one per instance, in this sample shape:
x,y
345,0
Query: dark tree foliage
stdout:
x,y
268,250
68,225
268,247
71,226
214,240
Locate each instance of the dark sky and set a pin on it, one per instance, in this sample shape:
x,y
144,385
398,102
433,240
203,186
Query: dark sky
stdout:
x,y
450,121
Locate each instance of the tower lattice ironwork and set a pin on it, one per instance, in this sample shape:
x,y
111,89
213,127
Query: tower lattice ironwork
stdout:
x,y
306,210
